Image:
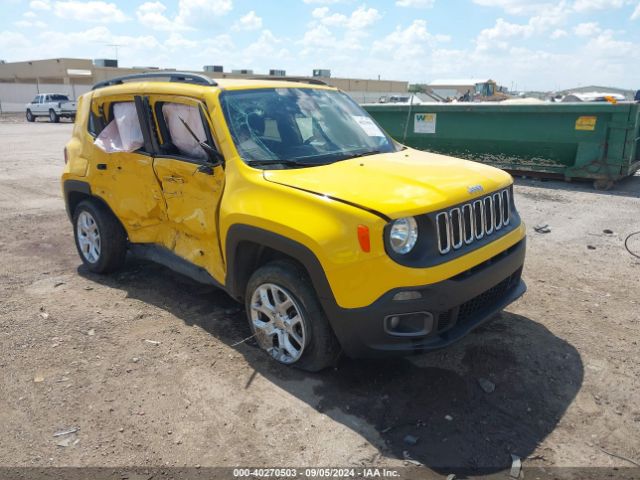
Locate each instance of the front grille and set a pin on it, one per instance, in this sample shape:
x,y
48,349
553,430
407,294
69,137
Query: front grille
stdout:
x,y
487,299
472,221
445,321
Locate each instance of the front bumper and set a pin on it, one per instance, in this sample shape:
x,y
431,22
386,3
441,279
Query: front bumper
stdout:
x,y
459,305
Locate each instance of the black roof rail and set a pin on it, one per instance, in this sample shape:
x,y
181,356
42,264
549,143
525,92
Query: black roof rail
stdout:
x,y
312,81
183,77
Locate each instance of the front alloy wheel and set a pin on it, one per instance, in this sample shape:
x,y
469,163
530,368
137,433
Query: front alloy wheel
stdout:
x,y
287,319
278,323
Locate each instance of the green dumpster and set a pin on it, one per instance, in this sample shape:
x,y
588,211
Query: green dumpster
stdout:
x,y
597,141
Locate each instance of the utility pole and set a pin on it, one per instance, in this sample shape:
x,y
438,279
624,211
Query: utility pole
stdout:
x,y
115,45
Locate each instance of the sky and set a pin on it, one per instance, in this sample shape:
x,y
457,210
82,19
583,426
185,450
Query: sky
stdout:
x,y
522,44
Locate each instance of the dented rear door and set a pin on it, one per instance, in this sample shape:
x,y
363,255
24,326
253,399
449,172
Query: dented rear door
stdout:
x,y
126,180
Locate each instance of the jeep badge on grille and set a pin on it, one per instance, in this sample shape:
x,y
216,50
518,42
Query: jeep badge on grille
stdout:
x,y
475,189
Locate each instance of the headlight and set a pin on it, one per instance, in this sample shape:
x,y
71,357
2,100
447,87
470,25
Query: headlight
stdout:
x,y
403,235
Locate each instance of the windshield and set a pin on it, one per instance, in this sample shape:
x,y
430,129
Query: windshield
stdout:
x,y
300,127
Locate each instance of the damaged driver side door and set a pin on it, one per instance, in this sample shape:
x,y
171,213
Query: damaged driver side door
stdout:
x,y
192,184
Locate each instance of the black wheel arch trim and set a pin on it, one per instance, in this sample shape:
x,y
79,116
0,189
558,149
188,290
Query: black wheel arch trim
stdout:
x,y
239,233
238,265
79,186
74,186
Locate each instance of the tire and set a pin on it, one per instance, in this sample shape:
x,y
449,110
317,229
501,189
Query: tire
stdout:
x,y
30,116
53,116
603,184
320,348
111,242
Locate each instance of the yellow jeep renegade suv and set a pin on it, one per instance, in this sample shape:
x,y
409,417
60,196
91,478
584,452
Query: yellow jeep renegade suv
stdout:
x,y
292,199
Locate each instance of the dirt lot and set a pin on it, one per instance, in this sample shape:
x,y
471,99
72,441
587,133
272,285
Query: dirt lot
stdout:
x,y
74,353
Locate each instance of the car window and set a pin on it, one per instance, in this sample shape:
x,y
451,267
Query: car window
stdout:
x,y
59,98
47,99
35,100
123,133
177,138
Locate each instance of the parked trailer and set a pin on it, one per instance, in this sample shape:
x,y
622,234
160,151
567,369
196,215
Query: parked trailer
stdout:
x,y
596,141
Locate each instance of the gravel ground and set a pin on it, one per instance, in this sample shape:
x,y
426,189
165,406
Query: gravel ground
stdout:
x,y
143,362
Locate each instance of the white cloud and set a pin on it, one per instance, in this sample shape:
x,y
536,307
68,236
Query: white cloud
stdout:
x,y
267,46
415,3
192,12
94,11
250,21
314,36
540,24
13,40
636,13
605,46
151,15
97,35
528,7
334,19
559,33
176,41
321,42
406,43
363,17
587,29
359,19
320,12
29,14
589,5
516,7
322,2
221,48
320,37
494,37
40,5
30,24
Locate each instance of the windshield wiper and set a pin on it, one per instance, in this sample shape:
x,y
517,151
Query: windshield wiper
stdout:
x,y
361,154
279,162
294,163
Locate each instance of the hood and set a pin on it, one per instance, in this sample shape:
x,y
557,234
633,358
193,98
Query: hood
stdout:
x,y
399,184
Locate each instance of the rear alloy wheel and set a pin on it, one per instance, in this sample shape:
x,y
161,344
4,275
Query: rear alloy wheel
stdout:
x,y
100,239
30,116
53,117
287,319
88,236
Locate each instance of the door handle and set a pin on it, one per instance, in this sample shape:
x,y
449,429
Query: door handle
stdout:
x,y
101,166
173,179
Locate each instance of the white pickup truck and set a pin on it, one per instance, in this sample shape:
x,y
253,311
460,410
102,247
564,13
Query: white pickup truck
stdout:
x,y
52,105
